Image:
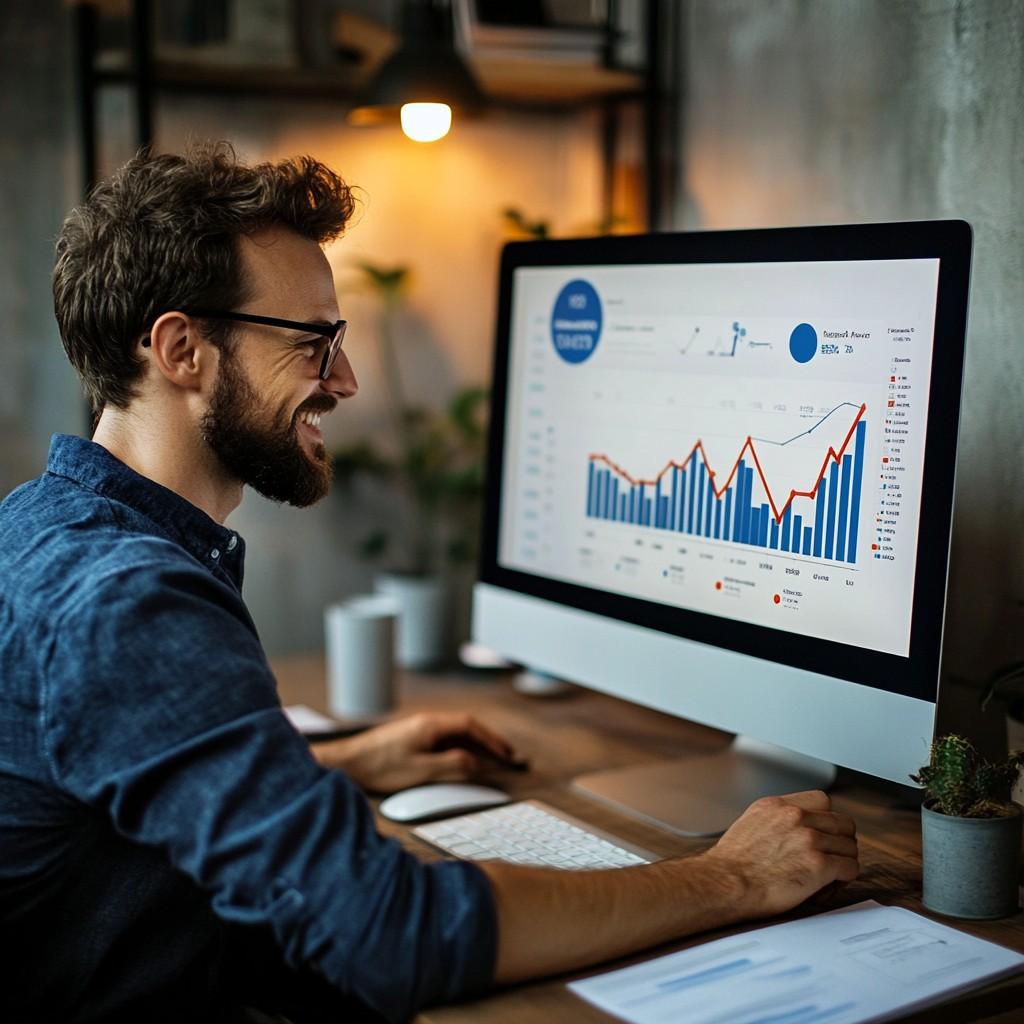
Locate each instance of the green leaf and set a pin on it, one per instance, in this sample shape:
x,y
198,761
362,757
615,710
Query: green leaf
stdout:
x,y
374,544
360,459
516,219
389,281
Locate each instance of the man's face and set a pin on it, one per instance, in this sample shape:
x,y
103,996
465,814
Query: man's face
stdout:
x,y
268,386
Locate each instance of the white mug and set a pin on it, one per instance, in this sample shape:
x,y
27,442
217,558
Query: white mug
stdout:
x,y
360,635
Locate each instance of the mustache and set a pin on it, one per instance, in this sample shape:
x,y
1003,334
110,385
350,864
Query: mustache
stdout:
x,y
320,403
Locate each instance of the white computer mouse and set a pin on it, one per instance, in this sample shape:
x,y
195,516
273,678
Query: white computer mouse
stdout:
x,y
440,799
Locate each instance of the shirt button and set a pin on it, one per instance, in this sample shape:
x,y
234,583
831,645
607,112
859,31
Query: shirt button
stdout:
x,y
215,553
232,543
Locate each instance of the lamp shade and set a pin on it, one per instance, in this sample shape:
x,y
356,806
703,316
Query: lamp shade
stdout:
x,y
424,69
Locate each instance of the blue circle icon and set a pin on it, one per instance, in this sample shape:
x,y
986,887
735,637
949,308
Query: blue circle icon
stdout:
x,y
803,343
576,321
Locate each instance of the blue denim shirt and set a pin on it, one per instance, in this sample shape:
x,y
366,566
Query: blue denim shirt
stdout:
x,y
153,794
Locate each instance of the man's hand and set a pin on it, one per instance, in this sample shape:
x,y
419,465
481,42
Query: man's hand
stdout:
x,y
785,849
425,747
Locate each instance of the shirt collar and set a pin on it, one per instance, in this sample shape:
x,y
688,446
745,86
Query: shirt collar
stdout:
x,y
92,466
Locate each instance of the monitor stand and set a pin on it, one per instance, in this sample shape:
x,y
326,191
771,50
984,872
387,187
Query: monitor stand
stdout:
x,y
704,795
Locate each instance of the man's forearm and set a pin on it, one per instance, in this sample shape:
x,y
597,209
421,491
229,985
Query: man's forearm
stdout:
x,y
779,852
552,921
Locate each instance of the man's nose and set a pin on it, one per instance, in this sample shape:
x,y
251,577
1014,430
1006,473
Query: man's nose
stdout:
x,y
341,381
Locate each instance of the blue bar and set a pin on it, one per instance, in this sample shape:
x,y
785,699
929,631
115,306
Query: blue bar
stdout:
x,y
622,508
754,526
601,489
858,472
749,537
648,504
673,518
632,503
700,498
844,507
807,540
591,490
737,530
819,517
762,533
613,503
830,521
773,534
798,525
727,518
644,506
663,510
718,518
787,527
657,504
693,484
708,499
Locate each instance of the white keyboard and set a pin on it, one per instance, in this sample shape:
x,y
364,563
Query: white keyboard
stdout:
x,y
532,833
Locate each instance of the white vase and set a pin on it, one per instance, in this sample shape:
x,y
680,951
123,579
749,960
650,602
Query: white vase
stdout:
x,y
423,628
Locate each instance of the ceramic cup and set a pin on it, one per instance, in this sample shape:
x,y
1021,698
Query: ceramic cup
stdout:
x,y
360,641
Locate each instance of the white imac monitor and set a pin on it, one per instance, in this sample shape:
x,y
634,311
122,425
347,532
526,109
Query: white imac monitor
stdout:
x,y
720,484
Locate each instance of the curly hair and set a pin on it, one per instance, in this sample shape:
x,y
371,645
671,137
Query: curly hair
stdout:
x,y
162,234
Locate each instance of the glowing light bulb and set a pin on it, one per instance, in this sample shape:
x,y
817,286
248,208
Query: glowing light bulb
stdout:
x,y
426,122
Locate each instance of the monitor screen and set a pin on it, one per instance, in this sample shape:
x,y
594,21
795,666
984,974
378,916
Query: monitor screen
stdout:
x,y
745,439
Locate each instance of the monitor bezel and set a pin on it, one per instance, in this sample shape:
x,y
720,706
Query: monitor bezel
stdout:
x,y
915,675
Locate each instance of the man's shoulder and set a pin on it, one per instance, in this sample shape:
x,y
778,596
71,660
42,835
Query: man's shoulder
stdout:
x,y
61,542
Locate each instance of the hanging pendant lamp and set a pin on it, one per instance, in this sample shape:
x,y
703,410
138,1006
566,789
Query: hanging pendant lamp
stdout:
x,y
424,81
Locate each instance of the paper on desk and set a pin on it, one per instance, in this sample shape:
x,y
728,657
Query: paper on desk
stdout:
x,y
308,721
862,963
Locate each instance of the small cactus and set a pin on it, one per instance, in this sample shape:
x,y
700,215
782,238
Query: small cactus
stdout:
x,y
959,782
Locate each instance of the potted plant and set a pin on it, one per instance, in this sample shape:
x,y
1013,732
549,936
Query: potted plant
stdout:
x,y
432,468
970,831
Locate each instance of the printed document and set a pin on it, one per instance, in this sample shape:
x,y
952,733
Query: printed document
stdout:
x,y
862,963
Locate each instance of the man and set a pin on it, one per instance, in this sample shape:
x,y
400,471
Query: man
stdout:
x,y
169,847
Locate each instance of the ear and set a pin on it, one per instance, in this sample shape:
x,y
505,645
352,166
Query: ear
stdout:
x,y
180,353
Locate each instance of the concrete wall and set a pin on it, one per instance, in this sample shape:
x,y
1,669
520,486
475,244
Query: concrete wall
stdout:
x,y
817,111
38,390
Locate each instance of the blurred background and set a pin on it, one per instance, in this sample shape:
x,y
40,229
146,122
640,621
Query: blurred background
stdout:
x,y
569,117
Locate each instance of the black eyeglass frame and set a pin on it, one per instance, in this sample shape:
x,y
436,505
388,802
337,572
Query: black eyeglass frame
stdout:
x,y
335,332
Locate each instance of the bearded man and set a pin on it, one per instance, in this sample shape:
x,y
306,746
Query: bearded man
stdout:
x,y
170,849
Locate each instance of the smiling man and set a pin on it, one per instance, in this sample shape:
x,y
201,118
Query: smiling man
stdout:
x,y
170,850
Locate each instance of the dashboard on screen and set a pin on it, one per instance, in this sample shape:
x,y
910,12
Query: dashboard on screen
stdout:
x,y
740,440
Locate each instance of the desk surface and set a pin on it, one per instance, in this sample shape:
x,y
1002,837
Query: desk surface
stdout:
x,y
586,731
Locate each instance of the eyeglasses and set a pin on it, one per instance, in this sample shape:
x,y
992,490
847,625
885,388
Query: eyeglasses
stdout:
x,y
334,332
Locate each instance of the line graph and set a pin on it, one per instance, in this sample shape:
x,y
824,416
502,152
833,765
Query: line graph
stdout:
x,y
686,497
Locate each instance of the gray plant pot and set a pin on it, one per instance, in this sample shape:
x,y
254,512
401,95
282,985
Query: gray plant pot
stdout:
x,y
971,865
422,636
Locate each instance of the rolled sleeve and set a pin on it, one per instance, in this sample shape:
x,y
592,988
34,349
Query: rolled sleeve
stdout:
x,y
162,713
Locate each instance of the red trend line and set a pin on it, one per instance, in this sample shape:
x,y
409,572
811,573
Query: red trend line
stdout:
x,y
830,455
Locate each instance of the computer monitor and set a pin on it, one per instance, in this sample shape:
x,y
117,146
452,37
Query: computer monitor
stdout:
x,y
720,484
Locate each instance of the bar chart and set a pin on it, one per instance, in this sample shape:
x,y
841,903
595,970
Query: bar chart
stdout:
x,y
820,520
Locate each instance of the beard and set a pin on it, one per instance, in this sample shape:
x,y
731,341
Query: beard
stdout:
x,y
269,458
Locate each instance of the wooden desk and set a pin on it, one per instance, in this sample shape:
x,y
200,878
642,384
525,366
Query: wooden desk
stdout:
x,y
586,731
